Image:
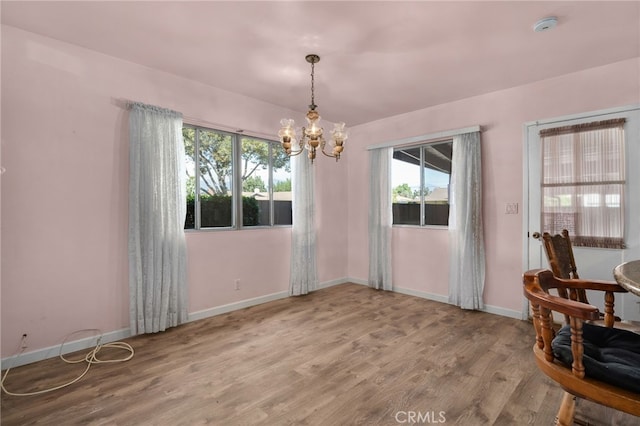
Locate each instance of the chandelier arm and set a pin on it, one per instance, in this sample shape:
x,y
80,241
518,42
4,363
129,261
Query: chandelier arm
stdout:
x,y
300,145
328,155
294,153
332,155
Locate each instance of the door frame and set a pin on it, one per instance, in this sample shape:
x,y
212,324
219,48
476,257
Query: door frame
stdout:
x,y
526,174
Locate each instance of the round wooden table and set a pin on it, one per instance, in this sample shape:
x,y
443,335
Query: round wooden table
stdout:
x,y
628,276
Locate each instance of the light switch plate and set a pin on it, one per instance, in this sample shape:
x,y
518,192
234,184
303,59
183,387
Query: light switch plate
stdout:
x,y
512,208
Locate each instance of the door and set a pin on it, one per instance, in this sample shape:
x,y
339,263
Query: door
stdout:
x,y
592,263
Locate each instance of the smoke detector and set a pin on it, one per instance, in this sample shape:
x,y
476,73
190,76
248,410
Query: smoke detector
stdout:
x,y
545,24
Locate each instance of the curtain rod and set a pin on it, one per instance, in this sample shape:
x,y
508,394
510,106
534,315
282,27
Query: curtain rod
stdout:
x,y
423,138
225,128
124,103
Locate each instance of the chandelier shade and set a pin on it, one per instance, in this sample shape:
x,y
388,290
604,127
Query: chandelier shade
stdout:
x,y
311,137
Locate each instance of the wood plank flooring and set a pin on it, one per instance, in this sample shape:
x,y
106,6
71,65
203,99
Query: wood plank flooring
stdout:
x,y
345,355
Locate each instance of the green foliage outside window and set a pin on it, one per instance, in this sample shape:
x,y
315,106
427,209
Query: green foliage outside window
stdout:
x,y
252,183
213,153
404,190
282,186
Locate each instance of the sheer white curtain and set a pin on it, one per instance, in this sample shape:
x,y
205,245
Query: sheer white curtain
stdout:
x,y
380,218
467,257
304,272
157,208
583,180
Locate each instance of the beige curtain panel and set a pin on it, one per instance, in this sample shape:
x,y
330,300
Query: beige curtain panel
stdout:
x,y
583,182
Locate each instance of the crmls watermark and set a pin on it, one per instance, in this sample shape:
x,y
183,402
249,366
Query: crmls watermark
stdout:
x,y
420,417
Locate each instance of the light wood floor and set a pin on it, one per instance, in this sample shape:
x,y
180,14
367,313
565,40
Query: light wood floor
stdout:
x,y
345,355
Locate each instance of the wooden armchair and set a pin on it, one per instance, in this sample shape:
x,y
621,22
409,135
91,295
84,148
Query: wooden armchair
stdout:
x,y
559,251
585,378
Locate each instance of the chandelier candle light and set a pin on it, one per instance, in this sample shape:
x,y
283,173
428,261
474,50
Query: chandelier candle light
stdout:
x,y
311,135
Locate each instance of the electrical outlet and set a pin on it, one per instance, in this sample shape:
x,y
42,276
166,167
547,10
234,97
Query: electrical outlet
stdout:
x,y
23,341
237,284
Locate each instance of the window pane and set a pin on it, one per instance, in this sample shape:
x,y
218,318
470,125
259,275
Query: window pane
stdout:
x,y
421,174
612,200
437,174
255,179
189,137
281,187
216,160
405,181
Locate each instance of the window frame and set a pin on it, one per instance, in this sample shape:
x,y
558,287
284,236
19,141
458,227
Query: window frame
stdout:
x,y
236,181
422,147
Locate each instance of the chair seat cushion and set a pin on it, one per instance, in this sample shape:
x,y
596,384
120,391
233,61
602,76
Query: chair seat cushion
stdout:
x,y
610,355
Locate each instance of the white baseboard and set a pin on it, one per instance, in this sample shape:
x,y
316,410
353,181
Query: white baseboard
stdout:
x,y
422,294
502,312
71,346
331,283
402,290
357,281
496,310
219,310
113,336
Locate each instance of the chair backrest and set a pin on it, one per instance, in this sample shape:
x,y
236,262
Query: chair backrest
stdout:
x,y
561,261
560,254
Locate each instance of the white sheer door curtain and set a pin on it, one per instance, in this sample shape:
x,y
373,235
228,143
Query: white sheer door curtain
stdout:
x,y
157,209
583,182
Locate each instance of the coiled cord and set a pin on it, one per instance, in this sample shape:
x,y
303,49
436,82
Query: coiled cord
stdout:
x,y
90,358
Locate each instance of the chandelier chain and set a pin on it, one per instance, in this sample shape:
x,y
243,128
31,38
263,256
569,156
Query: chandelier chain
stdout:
x,y
313,102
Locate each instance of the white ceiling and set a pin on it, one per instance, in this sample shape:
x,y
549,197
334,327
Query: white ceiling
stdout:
x,y
378,59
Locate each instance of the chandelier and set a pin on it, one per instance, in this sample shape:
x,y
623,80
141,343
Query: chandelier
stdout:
x,y
312,137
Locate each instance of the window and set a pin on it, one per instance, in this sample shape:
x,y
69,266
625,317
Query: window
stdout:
x,y
420,183
235,181
583,180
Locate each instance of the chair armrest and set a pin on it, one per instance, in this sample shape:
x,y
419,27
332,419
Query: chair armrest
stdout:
x,y
600,285
533,291
547,280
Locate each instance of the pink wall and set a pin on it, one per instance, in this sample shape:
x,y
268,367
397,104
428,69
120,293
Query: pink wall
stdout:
x,y
420,256
65,193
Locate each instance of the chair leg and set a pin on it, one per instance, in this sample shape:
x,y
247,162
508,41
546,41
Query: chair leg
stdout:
x,y
567,410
